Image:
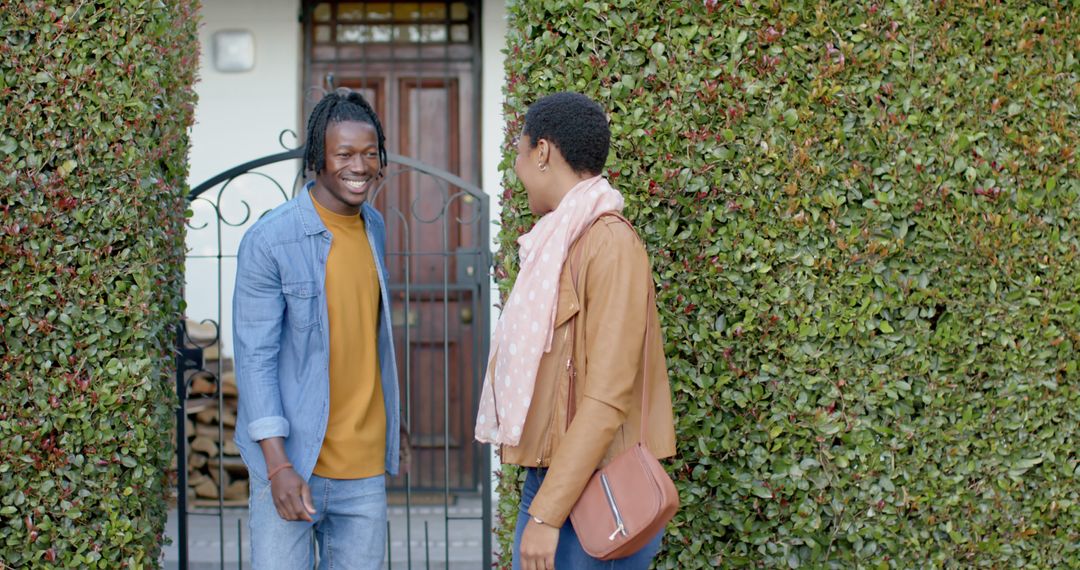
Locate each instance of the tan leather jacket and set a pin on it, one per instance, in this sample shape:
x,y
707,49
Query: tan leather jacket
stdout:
x,y
606,315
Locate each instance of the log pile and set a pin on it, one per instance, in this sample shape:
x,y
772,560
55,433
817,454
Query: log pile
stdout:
x,y
214,467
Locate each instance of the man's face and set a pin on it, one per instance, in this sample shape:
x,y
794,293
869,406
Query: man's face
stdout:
x,y
352,167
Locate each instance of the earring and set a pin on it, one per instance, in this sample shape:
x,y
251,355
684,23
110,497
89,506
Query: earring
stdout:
x,y
542,166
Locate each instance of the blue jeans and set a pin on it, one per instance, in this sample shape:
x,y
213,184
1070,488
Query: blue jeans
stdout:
x,y
349,525
569,555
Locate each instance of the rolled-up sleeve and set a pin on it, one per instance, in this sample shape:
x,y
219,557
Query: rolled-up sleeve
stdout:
x,y
258,311
616,293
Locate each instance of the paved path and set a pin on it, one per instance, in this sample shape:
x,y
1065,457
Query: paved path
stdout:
x,y
461,549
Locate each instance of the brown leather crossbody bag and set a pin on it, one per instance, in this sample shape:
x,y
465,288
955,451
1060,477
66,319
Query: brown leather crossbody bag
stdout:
x,y
630,500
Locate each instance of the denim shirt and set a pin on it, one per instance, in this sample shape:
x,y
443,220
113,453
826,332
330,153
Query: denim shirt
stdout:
x,y
281,335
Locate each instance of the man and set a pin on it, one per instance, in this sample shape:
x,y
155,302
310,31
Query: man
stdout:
x,y
319,413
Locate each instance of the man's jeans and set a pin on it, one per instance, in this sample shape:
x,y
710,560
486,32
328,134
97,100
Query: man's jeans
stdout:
x,y
569,554
350,527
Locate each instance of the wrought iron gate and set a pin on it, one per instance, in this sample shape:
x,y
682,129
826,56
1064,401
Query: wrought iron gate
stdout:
x,y
440,300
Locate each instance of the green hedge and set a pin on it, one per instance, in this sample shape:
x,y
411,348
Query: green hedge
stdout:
x,y
863,219
97,98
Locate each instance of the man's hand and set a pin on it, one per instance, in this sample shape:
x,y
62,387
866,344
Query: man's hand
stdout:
x,y
292,496
538,544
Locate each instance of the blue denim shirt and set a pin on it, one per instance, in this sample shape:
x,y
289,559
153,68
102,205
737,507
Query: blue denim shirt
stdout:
x,y
281,335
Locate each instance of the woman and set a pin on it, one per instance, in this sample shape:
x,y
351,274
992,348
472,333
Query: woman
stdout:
x,y
563,390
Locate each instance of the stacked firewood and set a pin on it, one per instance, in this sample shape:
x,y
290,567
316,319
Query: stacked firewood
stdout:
x,y
215,469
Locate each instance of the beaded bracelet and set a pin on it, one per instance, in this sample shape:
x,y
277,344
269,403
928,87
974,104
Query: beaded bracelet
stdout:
x,y
277,470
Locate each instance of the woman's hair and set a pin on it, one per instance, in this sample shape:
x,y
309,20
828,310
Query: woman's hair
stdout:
x,y
576,125
336,107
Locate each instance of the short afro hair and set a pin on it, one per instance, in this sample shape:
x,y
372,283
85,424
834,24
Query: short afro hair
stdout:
x,y
576,125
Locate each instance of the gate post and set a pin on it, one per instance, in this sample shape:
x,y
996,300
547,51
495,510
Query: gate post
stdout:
x,y
186,359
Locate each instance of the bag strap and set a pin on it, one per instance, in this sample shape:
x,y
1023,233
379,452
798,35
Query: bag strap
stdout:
x,y
575,260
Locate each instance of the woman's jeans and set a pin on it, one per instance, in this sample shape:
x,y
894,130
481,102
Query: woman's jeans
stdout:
x,y
349,524
569,555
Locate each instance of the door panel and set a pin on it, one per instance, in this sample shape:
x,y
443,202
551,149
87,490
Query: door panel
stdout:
x,y
428,117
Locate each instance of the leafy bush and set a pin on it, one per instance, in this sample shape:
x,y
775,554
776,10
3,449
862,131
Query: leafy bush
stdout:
x,y
97,98
863,219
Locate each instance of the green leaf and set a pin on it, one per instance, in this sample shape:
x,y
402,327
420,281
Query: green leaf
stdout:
x,y
762,492
67,167
791,117
959,165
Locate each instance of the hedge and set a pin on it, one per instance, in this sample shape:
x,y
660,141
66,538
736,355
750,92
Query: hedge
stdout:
x,y
863,219
97,98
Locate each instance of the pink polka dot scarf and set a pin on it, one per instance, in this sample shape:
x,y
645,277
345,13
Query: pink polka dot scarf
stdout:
x,y
527,323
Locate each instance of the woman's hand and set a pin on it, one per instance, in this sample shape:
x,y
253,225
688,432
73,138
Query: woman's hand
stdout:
x,y
538,544
292,496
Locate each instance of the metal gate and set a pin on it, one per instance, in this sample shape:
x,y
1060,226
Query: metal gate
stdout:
x,y
440,301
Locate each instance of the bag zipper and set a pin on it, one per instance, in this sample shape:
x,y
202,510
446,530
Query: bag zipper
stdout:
x,y
620,528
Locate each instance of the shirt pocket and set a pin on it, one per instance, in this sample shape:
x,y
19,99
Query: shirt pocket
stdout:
x,y
301,304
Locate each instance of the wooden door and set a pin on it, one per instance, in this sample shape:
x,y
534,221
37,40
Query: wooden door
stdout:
x,y
425,95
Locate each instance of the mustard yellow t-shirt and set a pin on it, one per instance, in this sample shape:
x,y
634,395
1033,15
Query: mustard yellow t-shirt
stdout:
x,y
355,442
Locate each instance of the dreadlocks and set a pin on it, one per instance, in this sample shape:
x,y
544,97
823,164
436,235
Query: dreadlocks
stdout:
x,y
336,107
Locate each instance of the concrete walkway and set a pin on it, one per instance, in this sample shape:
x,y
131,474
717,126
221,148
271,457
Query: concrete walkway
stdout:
x,y
220,541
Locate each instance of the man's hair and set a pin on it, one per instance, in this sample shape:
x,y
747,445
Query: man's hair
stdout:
x,y
576,125
336,107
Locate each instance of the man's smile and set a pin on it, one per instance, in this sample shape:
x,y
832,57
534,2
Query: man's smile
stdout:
x,y
356,184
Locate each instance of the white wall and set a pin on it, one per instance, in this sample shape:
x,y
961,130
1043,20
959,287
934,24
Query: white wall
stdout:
x,y
493,123
238,118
